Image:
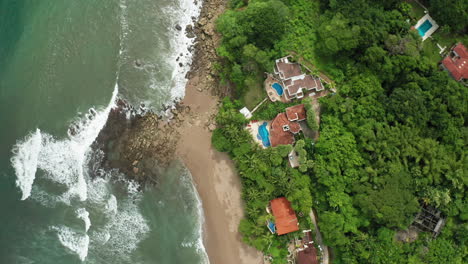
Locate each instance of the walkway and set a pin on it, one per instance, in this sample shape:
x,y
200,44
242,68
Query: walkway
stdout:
x,y
318,239
256,107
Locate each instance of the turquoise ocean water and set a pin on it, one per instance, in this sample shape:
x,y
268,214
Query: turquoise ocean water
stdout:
x,y
63,63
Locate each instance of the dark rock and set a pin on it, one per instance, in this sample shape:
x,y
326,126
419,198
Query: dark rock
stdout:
x,y
189,31
178,27
138,63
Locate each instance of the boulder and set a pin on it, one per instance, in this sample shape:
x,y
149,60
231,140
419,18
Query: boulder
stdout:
x,y
212,127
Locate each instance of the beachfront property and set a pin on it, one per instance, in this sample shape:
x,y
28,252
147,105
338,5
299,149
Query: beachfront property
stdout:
x,y
288,82
426,26
285,217
281,130
456,63
286,125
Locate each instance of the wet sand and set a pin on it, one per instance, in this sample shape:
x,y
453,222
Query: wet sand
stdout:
x,y
217,183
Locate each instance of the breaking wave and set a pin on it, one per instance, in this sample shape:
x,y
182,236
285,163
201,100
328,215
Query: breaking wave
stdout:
x,y
25,159
74,241
53,172
60,161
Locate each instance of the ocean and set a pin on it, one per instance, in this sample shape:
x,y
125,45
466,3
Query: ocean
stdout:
x,y
65,63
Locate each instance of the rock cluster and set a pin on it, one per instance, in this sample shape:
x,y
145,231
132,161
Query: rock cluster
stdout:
x,y
144,144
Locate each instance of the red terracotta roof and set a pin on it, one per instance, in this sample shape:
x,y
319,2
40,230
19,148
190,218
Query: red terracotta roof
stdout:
x,y
296,113
285,218
461,50
457,65
278,136
307,256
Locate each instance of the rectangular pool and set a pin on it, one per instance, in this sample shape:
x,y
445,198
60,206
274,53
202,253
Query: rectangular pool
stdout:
x,y
424,27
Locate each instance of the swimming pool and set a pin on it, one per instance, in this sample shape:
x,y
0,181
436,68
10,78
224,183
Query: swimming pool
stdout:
x,y
271,226
424,27
278,88
264,135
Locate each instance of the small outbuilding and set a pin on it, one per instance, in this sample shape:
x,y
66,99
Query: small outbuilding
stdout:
x,y
429,219
246,112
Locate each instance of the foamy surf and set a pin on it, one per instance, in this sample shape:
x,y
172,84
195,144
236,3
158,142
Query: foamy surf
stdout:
x,y
199,245
106,220
61,161
25,159
82,214
182,15
76,242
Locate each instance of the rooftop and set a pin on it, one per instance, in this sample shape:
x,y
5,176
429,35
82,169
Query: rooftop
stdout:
x,y
303,81
307,256
282,130
287,69
296,113
457,62
285,217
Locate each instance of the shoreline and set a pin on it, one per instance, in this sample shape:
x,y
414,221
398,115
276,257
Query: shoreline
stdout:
x,y
146,143
213,173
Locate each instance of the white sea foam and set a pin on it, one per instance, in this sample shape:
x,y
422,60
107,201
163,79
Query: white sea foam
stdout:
x,y
120,236
111,205
74,241
182,15
200,246
62,161
25,160
82,214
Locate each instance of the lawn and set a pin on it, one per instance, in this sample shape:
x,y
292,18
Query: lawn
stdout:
x,y
444,39
431,51
417,11
255,94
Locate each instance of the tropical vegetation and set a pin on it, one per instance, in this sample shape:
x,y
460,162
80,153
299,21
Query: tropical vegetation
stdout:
x,y
394,137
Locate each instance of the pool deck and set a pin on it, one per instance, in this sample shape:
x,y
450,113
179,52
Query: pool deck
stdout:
x,y
434,27
253,126
272,94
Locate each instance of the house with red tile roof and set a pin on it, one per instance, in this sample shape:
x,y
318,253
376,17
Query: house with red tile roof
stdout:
x,y
295,83
296,113
286,125
307,253
456,63
285,217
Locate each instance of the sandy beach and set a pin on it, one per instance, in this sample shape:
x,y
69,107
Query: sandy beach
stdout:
x,y
217,183
214,174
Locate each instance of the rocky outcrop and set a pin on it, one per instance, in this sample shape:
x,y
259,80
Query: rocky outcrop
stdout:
x,y
142,145
207,40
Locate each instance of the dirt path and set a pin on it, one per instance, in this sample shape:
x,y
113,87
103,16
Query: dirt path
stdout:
x,y
319,240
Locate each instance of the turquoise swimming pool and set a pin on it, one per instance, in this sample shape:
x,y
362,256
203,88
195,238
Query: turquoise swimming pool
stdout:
x,y
424,27
278,88
264,135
